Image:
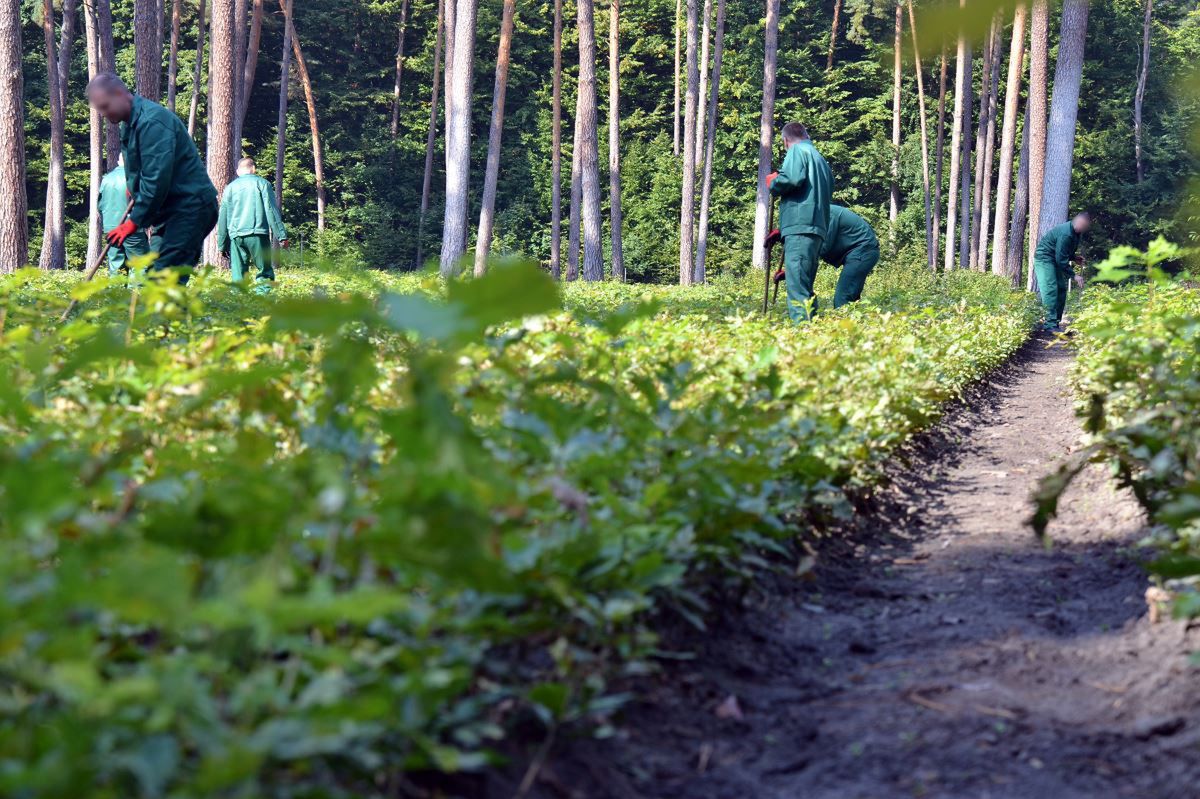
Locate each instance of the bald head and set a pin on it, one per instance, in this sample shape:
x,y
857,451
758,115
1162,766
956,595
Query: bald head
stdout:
x,y
1082,222
109,95
246,167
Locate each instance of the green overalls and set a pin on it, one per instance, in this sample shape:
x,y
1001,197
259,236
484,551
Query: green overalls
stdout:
x,y
171,190
112,203
851,244
804,187
1052,265
248,218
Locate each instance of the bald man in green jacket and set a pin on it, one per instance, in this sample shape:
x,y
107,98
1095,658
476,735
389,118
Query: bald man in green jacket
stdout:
x,y
112,202
804,185
248,219
850,243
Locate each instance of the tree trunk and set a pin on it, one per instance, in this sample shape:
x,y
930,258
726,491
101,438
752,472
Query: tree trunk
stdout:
x,y
95,136
939,162
147,38
431,134
989,154
766,134
710,142
196,70
614,140
1008,139
105,62
687,213
173,58
964,174
66,44
221,107
1140,95
589,151
1039,89
54,234
14,241
250,61
311,101
912,24
894,200
487,211
1016,231
678,31
285,74
556,151
239,68
702,95
962,94
837,16
399,69
985,86
1064,109
576,198
458,137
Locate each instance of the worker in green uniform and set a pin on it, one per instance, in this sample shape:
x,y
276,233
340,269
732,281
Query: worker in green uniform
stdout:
x,y
804,185
113,200
851,244
248,218
1052,264
170,188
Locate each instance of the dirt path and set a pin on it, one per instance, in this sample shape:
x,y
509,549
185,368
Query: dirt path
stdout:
x,y
944,653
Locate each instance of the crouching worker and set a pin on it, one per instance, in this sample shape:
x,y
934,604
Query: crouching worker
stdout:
x,y
1052,264
113,200
168,183
803,184
248,218
851,244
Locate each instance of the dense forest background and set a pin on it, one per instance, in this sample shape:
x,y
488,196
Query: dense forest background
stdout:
x,y
374,182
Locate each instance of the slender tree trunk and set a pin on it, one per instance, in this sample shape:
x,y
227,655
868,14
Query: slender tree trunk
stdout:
x,y
173,58
589,151
487,211
14,241
66,45
147,39
1039,93
1020,215
285,74
576,197
962,94
894,200
1140,95
989,154
678,32
833,33
196,70
1064,110
614,140
311,101
1008,139
221,106
985,84
240,19
431,134
766,132
710,142
250,61
964,174
458,137
105,62
702,95
939,161
54,240
95,135
687,215
912,24
556,151
399,69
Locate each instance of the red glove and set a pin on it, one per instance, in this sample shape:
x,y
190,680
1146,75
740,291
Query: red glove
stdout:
x,y
773,238
117,235
771,179
780,276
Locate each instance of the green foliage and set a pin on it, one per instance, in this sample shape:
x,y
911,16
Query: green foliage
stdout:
x,y
297,546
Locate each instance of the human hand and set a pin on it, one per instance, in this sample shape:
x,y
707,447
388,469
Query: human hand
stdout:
x,y
116,236
771,179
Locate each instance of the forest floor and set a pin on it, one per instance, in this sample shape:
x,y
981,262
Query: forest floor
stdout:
x,y
937,650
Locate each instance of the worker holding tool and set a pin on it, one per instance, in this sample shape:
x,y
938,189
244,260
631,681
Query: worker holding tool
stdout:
x,y
850,244
247,220
1052,263
803,184
168,183
114,199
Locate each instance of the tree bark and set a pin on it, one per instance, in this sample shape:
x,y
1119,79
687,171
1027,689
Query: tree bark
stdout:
x,y
614,140
399,69
710,143
687,213
589,152
1008,139
458,137
221,108
1140,95
576,198
95,135
556,150
311,101
1064,110
1039,89
173,58
431,135
14,241
702,95
66,44
54,238
985,94
964,174
939,161
1016,230
487,211
250,60
147,39
678,32
929,229
962,94
766,132
196,70
833,34
989,154
285,74
239,68
894,200
105,62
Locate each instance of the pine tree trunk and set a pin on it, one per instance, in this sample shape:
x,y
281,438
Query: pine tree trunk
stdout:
x,y
1064,110
589,151
1039,92
766,132
894,204
702,95
250,61
989,154
458,137
1020,215
706,192
285,74
912,24
939,161
576,197
95,136
833,33
399,69
431,134
1140,95
687,213
14,241
614,140
962,94
1008,139
556,150
311,101
196,70
66,45
678,32
54,239
964,174
221,106
985,86
173,58
487,211
147,39
105,62
240,19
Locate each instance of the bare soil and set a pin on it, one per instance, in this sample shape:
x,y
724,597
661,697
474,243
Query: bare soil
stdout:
x,y
937,650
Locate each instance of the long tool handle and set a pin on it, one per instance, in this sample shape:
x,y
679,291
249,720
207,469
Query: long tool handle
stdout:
x,y
767,260
91,272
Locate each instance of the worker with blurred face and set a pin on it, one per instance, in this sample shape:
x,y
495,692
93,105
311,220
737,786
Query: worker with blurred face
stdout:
x,y
804,185
166,179
248,219
1052,263
113,200
850,243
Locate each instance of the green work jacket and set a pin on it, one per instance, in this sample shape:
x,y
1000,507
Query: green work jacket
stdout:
x,y
1058,247
248,209
113,199
162,166
804,187
847,231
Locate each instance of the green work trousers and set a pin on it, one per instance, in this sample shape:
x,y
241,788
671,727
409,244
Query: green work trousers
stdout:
x,y
801,257
859,263
1052,283
179,240
251,253
118,255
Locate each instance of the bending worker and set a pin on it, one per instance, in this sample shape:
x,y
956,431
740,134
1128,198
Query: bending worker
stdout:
x,y
113,200
248,218
803,185
170,188
1052,264
851,244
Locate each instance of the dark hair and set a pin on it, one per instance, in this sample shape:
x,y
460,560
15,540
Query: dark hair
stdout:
x,y
794,131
